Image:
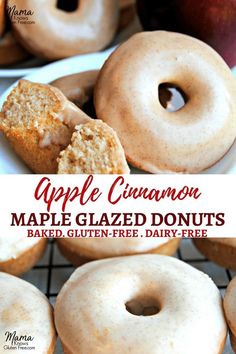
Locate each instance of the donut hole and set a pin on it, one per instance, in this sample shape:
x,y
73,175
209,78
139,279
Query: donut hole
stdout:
x,y
68,6
143,306
171,97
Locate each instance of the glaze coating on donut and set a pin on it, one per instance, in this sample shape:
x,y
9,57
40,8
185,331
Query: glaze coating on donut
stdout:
x,y
219,250
27,312
2,16
126,97
230,310
11,52
19,254
79,251
126,3
127,13
140,304
58,34
78,88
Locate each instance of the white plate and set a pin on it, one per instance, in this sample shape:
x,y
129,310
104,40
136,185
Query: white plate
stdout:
x,y
22,69
11,164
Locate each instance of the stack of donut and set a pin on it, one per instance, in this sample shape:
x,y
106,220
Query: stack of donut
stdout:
x,y
53,30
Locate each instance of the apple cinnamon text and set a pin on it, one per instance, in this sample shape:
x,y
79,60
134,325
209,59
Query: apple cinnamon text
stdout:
x,y
119,191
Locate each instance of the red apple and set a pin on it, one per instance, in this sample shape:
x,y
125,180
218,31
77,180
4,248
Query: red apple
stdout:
x,y
213,21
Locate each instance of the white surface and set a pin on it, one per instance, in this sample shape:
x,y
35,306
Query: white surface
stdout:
x,y
10,163
21,69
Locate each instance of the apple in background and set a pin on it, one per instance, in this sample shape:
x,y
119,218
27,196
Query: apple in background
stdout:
x,y
212,21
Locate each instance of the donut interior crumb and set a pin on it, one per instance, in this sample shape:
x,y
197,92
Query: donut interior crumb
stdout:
x,y
94,148
30,106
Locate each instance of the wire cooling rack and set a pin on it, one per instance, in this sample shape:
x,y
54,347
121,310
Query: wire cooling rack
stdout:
x,y
53,270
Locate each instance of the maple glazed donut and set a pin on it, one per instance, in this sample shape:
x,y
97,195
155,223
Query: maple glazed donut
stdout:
x,y
78,88
25,312
79,251
19,254
188,140
58,33
230,310
38,121
11,52
127,12
94,149
2,16
219,250
140,304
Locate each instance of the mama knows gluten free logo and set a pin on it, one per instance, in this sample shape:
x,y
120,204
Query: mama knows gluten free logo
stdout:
x,y
14,341
20,16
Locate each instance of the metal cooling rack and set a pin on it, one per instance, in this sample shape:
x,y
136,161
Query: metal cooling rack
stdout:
x,y
53,270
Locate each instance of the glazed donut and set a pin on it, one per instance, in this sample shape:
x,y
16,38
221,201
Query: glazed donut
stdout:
x,y
19,254
39,121
11,52
94,149
2,17
155,140
78,88
79,251
126,3
26,312
230,310
127,12
58,34
140,304
219,250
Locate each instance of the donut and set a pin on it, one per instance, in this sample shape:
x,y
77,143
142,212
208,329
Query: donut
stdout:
x,y
26,313
188,140
11,52
38,121
2,17
78,88
219,250
127,13
19,254
230,310
140,304
57,33
126,3
94,148
79,251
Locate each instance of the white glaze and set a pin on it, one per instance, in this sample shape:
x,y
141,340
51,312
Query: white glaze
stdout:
x,y
26,310
91,316
230,305
126,97
13,246
111,247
